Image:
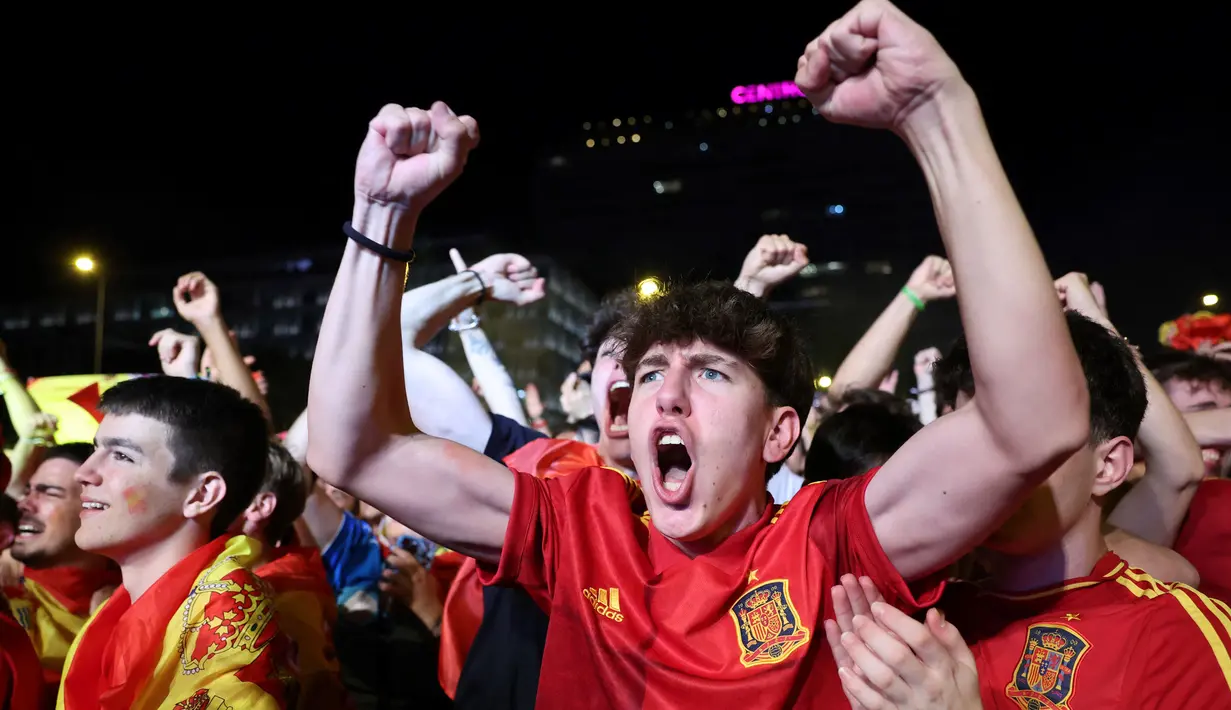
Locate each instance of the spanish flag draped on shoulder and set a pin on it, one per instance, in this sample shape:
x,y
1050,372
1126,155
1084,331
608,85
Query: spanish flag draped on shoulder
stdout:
x,y
307,613
53,604
463,612
203,637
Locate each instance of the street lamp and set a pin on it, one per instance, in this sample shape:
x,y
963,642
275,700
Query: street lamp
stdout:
x,y
87,265
649,288
823,382
1209,299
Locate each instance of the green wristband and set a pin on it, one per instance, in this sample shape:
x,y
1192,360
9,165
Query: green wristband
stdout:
x,y
914,297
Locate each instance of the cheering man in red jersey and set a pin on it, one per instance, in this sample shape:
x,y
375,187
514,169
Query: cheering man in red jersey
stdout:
x,y
714,598
1060,621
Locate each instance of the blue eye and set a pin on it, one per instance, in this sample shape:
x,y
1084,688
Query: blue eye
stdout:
x,y
648,377
712,375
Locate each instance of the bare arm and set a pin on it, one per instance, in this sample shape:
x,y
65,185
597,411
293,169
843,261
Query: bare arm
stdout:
x,y
197,300
1154,509
362,437
979,463
441,402
498,389
1210,427
872,357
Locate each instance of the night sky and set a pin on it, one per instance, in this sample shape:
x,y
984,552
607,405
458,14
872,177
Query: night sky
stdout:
x,y
237,135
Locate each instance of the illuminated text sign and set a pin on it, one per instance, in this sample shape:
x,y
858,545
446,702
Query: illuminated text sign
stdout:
x,y
759,93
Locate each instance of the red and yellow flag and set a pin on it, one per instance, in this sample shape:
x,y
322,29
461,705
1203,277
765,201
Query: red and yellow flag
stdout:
x,y
21,685
73,399
204,637
545,458
52,605
307,613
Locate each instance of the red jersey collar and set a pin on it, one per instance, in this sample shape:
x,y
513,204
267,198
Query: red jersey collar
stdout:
x,y
1108,566
730,556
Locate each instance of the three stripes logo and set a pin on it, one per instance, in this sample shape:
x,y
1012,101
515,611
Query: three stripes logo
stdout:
x,y
606,602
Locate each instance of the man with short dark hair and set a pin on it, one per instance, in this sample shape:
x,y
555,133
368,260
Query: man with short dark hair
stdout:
x,y
21,683
1059,619
303,598
175,463
61,584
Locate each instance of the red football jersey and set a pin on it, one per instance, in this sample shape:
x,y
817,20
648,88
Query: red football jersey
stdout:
x,y
1205,538
1115,639
636,623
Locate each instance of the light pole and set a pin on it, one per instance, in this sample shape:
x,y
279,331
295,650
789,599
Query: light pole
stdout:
x,y
87,265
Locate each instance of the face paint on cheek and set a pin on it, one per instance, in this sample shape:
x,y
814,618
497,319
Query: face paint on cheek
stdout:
x,y
134,498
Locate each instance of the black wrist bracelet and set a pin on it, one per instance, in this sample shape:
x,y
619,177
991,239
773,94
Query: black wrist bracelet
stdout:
x,y
407,257
482,286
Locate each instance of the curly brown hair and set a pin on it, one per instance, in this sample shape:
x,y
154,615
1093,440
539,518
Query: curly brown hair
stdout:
x,y
728,318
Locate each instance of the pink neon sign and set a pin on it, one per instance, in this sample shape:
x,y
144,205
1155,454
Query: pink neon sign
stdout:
x,y
759,93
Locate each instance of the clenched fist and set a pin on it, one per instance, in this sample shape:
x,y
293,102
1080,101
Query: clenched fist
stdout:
x,y
774,260
410,155
932,280
874,67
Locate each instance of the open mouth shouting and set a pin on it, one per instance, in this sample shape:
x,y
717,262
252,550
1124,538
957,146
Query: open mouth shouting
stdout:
x,y
90,507
619,394
29,527
673,465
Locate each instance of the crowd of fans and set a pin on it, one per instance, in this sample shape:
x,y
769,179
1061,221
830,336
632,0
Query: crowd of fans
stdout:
x,y
1040,522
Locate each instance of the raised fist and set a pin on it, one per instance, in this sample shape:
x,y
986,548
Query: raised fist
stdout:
x,y
874,67
510,278
773,260
932,280
179,354
411,155
1076,293
196,298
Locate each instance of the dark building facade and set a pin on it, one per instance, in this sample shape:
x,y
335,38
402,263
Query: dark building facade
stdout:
x,y
275,306
691,191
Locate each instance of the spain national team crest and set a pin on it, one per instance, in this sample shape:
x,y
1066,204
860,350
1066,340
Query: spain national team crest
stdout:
x,y
1048,667
768,626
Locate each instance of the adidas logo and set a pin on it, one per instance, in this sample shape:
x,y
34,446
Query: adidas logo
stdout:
x,y
606,602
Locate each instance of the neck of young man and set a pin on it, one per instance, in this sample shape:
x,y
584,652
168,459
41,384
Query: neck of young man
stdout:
x,y
608,459
1071,557
78,559
142,568
743,515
